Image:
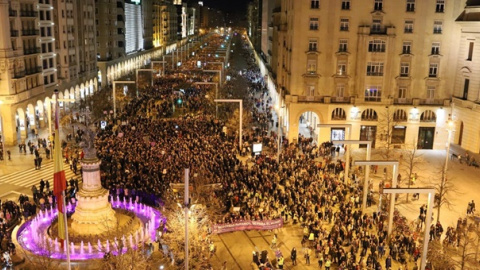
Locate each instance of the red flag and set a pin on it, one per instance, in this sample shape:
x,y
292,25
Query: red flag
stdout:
x,y
59,180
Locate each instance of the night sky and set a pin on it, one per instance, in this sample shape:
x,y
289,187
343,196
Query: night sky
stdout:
x,y
228,6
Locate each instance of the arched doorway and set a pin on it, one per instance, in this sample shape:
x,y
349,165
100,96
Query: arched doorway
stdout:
x,y
307,125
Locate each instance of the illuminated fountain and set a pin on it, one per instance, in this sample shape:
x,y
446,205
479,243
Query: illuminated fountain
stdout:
x,y
94,220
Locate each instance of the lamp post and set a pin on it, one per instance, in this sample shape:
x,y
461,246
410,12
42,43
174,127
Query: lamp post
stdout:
x,y
143,69
348,130
367,169
431,195
240,101
219,74
115,96
159,62
186,202
216,93
393,163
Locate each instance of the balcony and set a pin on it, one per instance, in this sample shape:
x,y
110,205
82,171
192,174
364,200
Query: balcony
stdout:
x,y
340,100
431,101
378,30
27,51
373,99
318,99
402,101
28,13
30,32
19,74
34,70
374,73
12,13
14,33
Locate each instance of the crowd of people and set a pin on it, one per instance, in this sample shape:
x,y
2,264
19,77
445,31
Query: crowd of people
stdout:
x,y
149,147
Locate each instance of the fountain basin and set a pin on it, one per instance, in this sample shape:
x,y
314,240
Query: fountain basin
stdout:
x,y
33,235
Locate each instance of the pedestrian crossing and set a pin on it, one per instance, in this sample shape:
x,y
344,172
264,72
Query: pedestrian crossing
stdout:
x,y
30,177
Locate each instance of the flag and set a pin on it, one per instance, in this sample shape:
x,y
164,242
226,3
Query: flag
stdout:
x,y
59,180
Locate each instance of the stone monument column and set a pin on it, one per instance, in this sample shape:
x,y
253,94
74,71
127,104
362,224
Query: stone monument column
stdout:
x,y
93,214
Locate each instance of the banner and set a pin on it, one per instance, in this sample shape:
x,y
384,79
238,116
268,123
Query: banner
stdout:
x,y
248,225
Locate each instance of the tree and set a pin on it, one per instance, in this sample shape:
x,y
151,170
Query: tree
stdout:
x,y
466,248
412,159
387,121
439,257
444,189
197,231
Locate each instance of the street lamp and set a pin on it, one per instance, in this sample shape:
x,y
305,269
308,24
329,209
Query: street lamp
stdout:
x,y
216,93
240,101
143,69
115,96
367,168
219,74
186,203
163,62
431,195
394,163
348,130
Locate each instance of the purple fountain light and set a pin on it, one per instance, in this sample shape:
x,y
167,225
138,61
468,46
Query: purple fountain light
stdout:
x,y
32,235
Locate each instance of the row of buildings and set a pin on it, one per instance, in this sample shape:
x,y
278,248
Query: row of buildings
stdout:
x,y
397,71
77,46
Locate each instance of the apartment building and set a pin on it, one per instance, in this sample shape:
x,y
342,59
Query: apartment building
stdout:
x,y
466,90
363,62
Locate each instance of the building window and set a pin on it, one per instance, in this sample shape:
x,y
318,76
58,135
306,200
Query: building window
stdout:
x,y
470,51
404,69
378,5
311,66
433,70
376,45
400,115
440,7
430,92
437,27
376,26
312,45
435,48
342,68
428,116
343,45
315,4
398,133
369,115
311,90
339,114
313,23
402,92
345,4
373,93
341,90
410,5
374,69
408,26
343,24
406,47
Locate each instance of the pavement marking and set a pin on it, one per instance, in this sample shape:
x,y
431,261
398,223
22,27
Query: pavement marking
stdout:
x,y
229,252
30,177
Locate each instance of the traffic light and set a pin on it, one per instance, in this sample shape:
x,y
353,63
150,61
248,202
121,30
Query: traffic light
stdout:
x,y
179,101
